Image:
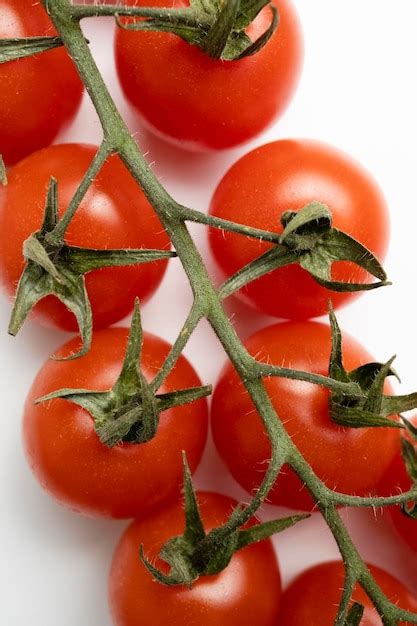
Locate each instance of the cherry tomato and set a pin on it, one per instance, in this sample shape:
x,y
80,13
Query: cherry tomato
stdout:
x,y
113,214
349,460
203,103
314,596
39,95
396,480
288,175
247,592
66,454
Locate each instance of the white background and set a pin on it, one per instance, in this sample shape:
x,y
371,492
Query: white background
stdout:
x,y
357,92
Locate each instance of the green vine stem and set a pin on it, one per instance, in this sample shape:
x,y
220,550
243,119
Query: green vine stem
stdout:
x,y
207,303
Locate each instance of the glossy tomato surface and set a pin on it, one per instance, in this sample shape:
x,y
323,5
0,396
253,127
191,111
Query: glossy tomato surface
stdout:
x,y
113,214
349,460
288,175
396,480
39,95
66,454
203,103
247,592
312,599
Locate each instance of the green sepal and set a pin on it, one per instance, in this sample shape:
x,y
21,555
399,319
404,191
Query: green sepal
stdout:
x,y
310,241
409,510
194,528
352,417
267,529
58,270
217,38
13,49
3,172
196,553
355,615
130,410
262,40
410,428
182,396
248,11
409,455
369,407
217,28
36,283
375,395
311,233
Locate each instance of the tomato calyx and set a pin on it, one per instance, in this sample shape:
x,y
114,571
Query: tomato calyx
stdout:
x,y
130,410
369,407
310,240
217,27
13,49
198,553
58,269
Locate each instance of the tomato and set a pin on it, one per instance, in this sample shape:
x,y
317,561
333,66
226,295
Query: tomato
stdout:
x,y
39,95
247,592
396,480
314,596
347,459
113,214
66,454
288,175
203,103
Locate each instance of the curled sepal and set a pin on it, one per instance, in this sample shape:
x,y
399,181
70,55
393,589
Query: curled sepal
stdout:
x,y
217,28
410,428
310,231
13,49
129,411
196,553
36,283
3,173
309,240
355,615
368,406
409,509
58,270
409,455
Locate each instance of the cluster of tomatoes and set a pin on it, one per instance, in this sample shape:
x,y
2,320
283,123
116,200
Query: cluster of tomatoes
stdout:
x,y
201,102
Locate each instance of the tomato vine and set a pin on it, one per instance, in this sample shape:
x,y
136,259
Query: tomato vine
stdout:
x,y
290,248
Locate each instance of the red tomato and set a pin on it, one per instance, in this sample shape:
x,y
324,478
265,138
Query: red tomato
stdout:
x,y
349,460
38,94
247,592
314,596
288,175
396,480
66,454
203,103
113,214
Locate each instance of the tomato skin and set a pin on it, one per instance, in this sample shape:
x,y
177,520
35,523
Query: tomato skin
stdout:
x,y
349,460
313,597
288,175
113,214
202,103
39,95
72,464
247,592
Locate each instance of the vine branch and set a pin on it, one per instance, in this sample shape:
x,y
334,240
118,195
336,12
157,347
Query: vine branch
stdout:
x,y
207,301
